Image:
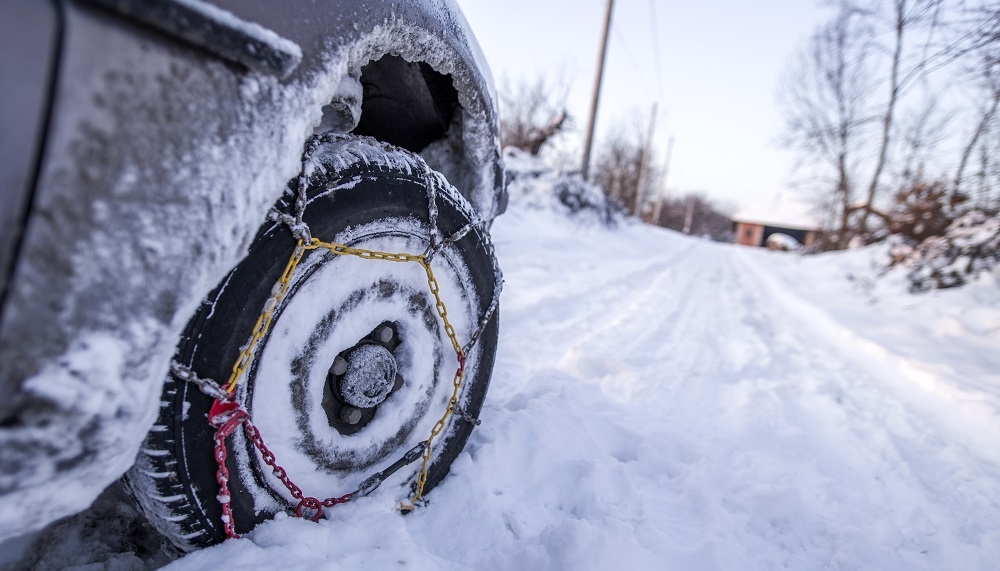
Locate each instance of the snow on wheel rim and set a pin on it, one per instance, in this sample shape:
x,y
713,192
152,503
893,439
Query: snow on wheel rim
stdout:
x,y
334,302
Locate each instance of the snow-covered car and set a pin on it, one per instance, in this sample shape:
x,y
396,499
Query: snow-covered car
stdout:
x,y
245,255
782,242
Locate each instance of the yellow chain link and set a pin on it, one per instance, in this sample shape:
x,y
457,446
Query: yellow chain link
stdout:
x,y
264,319
281,288
457,382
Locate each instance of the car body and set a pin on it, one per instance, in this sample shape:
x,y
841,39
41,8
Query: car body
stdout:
x,y
144,144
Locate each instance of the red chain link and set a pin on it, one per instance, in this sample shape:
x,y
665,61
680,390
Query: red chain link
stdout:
x,y
226,417
305,502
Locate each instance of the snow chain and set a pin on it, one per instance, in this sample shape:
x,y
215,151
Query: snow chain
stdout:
x,y
226,415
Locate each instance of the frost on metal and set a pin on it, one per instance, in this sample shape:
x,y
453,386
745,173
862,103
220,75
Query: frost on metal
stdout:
x,y
216,30
77,395
145,202
369,376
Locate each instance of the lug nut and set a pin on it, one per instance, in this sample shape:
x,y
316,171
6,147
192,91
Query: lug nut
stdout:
x,y
350,414
339,366
384,334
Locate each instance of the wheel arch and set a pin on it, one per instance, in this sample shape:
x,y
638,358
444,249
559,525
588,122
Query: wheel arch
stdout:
x,y
449,117
346,36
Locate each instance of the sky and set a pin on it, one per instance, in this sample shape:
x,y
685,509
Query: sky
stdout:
x,y
713,67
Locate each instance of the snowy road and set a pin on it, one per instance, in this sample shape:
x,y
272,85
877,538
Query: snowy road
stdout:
x,y
661,402
719,420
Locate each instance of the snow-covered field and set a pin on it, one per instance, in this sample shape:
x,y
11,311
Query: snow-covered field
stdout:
x,y
663,402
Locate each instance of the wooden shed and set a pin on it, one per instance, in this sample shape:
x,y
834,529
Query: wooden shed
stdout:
x,y
779,213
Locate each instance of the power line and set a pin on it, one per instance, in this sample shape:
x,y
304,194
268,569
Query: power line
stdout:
x,y
654,30
631,58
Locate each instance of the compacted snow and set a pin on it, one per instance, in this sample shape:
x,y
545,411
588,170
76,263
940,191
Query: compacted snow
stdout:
x,y
664,402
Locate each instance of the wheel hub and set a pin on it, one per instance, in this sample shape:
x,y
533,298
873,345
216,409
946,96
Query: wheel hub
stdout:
x,y
361,378
369,377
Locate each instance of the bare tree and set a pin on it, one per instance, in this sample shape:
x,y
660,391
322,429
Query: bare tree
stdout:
x,y
981,42
978,139
852,109
532,113
921,134
619,168
827,92
696,214
905,16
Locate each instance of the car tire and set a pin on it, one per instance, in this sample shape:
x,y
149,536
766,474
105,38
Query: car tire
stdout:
x,y
364,194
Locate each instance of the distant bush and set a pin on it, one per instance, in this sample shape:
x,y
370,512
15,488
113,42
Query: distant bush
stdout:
x,y
531,183
923,210
967,247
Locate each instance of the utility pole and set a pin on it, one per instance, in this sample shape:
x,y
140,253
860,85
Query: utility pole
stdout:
x,y
644,163
591,121
689,216
663,181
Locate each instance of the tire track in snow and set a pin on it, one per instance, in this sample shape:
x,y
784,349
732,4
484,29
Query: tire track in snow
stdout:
x,y
912,468
684,399
599,298
785,421
677,328
804,421
548,326
628,319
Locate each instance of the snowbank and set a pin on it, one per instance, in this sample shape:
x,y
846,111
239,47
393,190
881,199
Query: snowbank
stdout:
x,y
533,185
969,247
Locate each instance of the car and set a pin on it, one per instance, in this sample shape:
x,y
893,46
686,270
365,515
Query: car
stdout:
x,y
782,242
245,260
